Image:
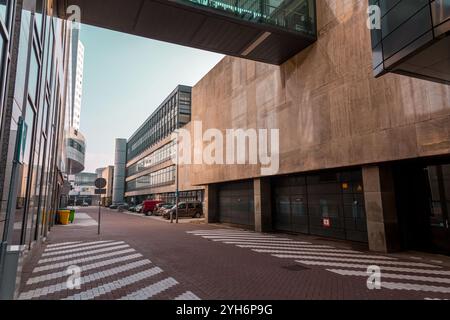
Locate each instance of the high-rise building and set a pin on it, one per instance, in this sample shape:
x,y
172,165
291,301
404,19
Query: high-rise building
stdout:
x,y
77,79
35,64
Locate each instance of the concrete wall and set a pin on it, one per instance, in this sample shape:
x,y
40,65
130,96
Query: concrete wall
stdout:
x,y
329,108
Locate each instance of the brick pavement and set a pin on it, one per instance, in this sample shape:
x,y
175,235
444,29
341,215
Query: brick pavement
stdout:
x,y
141,258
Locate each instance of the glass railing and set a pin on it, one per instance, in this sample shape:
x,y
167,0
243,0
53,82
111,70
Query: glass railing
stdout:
x,y
296,16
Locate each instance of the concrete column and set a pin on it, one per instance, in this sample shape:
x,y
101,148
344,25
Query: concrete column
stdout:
x,y
263,205
211,210
119,171
382,221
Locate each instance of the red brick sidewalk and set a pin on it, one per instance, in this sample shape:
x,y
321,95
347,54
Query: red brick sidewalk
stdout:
x,y
142,258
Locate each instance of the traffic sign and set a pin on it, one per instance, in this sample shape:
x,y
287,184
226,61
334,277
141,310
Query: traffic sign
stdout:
x,y
100,183
100,191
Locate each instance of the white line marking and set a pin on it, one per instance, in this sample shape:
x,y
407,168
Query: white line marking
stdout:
x,y
54,245
187,296
278,245
247,238
67,251
414,287
368,261
257,240
390,276
85,244
84,280
383,268
320,253
151,290
110,287
82,260
292,249
62,274
82,254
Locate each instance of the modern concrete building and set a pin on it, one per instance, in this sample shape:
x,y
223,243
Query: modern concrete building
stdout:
x,y
150,170
361,159
77,78
33,89
75,148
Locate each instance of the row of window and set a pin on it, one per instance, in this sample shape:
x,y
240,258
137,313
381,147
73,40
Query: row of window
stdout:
x,y
77,146
172,114
159,156
162,177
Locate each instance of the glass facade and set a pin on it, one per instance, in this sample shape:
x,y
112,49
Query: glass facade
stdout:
x,y
159,156
37,108
407,27
173,113
297,16
159,178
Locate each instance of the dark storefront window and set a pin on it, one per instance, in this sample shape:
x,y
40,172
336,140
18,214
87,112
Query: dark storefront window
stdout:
x,y
327,204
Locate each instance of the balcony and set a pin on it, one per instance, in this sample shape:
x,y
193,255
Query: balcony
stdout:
x,y
414,39
270,31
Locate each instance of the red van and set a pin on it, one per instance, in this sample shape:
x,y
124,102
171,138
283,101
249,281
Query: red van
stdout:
x,y
149,206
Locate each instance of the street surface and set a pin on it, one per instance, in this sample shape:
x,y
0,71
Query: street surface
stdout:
x,y
138,257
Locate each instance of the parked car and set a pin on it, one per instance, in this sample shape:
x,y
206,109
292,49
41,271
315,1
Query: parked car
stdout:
x,y
113,206
162,208
123,207
190,209
85,204
149,206
132,209
138,208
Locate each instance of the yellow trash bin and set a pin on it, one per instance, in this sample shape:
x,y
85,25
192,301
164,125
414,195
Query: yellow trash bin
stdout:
x,y
64,216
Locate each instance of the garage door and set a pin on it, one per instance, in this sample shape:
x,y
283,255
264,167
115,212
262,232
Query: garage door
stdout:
x,y
327,204
236,204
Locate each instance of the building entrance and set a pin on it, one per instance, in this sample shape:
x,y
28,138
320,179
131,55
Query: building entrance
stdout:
x,y
423,202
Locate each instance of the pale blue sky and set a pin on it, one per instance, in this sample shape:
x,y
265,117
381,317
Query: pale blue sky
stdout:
x,y
125,80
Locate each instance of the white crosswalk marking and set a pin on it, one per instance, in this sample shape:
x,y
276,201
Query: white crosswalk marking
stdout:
x,y
414,287
187,296
294,249
101,290
323,253
102,271
81,260
362,261
55,245
82,254
73,246
151,290
343,262
258,241
62,274
383,268
390,276
277,245
86,279
103,245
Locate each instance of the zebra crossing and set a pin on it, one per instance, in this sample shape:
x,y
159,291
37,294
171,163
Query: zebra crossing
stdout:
x,y
105,269
396,274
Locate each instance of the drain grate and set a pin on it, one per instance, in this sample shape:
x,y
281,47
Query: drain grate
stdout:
x,y
295,267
